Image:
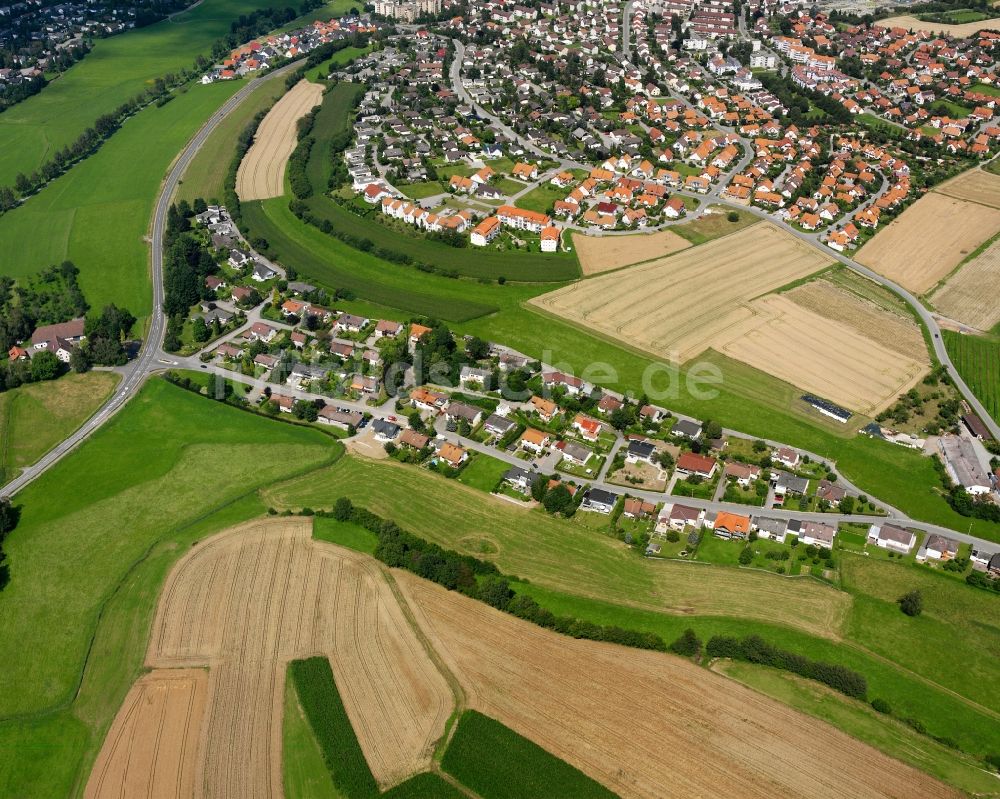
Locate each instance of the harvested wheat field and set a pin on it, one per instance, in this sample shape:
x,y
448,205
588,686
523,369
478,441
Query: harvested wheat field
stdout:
x,y
246,602
960,30
825,356
152,747
971,295
676,307
928,240
643,723
602,253
262,172
976,185
897,332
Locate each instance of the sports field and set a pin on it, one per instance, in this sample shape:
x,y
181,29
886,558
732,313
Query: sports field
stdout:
x,y
970,295
262,172
116,69
603,253
36,417
929,239
98,213
615,723
677,306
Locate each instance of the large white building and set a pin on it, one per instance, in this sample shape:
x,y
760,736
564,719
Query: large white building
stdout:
x,y
407,10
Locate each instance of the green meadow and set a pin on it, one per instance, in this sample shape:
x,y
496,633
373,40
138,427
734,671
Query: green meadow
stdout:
x,y
98,213
572,569
36,417
115,70
205,176
98,534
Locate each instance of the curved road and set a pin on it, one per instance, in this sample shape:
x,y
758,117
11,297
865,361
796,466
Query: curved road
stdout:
x,y
152,358
151,352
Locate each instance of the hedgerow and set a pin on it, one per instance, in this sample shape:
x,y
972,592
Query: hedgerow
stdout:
x,y
755,649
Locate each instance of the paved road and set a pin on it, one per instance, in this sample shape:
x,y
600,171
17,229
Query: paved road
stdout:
x,y
152,358
151,355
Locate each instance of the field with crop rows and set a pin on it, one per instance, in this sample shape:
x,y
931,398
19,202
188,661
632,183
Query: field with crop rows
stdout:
x,y
978,362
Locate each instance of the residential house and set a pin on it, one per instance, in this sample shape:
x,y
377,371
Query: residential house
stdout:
x,y
534,440
775,529
498,426
343,419
385,430
815,533
743,473
575,453
452,454
599,501
459,411
589,429
470,376
731,525
545,408
687,428
938,547
830,492
640,451
521,479
677,517
413,438
888,536
690,463
638,508
426,400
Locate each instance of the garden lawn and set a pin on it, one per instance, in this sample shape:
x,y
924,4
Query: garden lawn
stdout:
x,y
541,198
36,417
97,214
483,472
206,174
115,70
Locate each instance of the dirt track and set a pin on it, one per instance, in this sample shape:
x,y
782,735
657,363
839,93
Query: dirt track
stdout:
x,y
152,748
929,239
262,172
247,601
646,724
603,253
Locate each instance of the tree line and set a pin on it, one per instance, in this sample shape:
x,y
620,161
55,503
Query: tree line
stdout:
x,y
10,515
477,579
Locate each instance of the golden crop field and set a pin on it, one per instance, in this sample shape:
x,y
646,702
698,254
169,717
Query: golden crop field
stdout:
x,y
975,185
639,721
972,295
929,239
262,172
675,307
603,253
